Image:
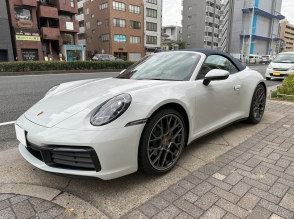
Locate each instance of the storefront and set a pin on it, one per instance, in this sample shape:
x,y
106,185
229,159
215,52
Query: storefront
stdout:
x,y
73,52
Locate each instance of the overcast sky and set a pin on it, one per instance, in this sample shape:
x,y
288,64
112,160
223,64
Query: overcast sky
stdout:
x,y
172,11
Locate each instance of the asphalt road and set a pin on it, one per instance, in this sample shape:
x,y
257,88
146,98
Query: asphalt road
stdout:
x,y
19,93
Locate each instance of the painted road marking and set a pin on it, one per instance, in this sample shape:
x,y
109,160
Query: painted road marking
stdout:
x,y
7,123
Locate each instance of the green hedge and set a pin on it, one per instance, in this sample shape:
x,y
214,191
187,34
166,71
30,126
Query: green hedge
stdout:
x,y
58,66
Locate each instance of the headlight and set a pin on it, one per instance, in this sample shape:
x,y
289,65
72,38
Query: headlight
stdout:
x,y
269,67
111,110
52,89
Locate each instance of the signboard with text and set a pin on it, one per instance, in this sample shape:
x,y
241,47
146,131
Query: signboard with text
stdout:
x,y
28,38
74,47
29,54
25,24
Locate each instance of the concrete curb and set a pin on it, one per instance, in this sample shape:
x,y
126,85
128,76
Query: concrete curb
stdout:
x,y
81,207
58,72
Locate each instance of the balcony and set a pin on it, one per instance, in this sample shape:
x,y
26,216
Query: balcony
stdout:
x,y
80,17
208,29
82,30
210,9
80,4
67,6
211,1
69,26
32,3
82,42
208,38
48,12
208,19
49,33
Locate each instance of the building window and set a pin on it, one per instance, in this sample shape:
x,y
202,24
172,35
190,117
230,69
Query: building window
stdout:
x,y
151,39
94,31
67,39
134,9
93,15
189,36
104,37
119,6
120,38
64,2
22,14
151,12
135,40
65,17
151,26
189,17
106,22
152,1
99,23
190,8
86,11
88,25
135,25
188,46
103,6
88,40
72,3
189,26
119,22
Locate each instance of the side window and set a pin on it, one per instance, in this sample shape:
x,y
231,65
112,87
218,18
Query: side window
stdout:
x,y
216,62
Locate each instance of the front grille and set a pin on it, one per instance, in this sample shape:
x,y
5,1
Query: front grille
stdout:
x,y
74,159
281,69
67,157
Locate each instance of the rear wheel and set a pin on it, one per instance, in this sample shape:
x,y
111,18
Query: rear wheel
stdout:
x,y
257,105
162,142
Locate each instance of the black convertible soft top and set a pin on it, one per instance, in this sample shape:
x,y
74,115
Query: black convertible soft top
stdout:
x,y
208,52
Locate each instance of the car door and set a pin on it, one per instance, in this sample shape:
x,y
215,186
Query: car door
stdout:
x,y
216,103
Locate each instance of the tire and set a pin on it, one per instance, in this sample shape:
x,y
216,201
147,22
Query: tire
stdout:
x,y
257,105
268,78
159,148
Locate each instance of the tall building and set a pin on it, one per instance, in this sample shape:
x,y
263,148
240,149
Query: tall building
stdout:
x,y
6,52
171,37
152,25
44,29
225,28
200,23
287,34
80,17
115,28
261,27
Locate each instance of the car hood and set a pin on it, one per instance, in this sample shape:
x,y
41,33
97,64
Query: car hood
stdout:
x,y
68,100
282,65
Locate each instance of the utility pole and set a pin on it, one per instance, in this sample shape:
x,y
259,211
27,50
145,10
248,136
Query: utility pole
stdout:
x,y
242,52
251,27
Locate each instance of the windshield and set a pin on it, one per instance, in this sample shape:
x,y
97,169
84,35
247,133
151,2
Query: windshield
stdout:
x,y
284,58
175,66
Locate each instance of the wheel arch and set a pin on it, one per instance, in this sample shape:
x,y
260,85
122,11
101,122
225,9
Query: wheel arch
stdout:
x,y
178,107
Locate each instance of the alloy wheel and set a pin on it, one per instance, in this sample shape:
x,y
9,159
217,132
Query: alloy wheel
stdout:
x,y
166,142
259,103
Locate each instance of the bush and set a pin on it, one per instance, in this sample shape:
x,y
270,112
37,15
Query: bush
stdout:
x,y
287,85
62,66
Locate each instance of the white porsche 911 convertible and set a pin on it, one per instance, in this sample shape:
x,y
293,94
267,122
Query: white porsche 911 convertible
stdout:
x,y
142,119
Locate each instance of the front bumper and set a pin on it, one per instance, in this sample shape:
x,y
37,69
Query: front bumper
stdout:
x,y
269,74
116,149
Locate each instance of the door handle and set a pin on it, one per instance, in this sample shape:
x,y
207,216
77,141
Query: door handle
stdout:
x,y
237,87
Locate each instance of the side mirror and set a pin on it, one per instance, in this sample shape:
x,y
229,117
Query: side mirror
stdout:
x,y
122,71
215,75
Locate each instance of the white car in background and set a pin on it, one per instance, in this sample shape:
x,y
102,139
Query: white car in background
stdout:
x,y
142,119
281,66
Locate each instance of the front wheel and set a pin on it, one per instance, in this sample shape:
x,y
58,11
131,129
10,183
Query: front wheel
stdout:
x,y
162,142
257,105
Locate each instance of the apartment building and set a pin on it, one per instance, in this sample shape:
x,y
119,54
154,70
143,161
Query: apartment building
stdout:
x,y
287,34
171,37
6,52
152,25
200,21
80,17
226,21
44,29
261,27
115,28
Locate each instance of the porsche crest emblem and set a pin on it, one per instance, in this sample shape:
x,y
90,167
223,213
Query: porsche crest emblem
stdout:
x,y
40,113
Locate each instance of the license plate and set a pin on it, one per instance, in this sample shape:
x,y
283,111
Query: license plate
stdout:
x,y
276,73
20,135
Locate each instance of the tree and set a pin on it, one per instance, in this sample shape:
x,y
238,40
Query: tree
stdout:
x,y
182,45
